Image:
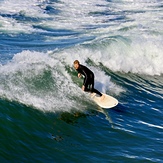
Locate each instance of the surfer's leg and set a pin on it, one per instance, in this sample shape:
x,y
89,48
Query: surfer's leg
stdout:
x,y
92,89
89,87
97,92
86,89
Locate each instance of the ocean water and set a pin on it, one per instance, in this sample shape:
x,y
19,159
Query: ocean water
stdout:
x,y
45,116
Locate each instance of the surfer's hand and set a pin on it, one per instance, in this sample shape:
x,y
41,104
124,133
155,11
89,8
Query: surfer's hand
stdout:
x,y
83,87
79,75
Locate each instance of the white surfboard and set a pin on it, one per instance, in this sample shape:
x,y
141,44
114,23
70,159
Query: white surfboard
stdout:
x,y
107,102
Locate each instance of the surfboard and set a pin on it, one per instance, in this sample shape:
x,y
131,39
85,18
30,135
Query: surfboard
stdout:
x,y
107,102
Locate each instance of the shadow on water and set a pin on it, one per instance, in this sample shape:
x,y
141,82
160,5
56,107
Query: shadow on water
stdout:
x,y
72,118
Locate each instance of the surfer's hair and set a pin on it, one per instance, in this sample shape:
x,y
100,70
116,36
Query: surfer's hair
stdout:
x,y
76,62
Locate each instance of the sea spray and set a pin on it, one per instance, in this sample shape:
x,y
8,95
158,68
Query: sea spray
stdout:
x,y
36,79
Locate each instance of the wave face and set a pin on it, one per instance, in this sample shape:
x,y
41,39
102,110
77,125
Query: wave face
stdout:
x,y
45,116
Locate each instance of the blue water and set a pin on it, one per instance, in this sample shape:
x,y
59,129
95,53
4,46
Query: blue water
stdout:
x,y
45,116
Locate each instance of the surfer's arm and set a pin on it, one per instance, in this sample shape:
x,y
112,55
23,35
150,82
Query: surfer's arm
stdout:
x,y
83,87
86,77
79,75
82,70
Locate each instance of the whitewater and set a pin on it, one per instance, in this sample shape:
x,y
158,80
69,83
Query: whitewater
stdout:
x,y
45,116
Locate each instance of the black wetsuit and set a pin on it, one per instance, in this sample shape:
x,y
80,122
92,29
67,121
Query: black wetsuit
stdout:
x,y
88,79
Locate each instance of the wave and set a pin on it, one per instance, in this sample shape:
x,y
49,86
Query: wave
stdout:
x,y
42,81
35,79
45,80
102,32
142,56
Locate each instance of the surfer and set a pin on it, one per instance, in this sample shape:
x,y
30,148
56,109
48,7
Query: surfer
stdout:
x,y
88,83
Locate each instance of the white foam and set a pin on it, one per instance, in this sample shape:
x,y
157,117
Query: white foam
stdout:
x,y
71,15
103,82
27,7
136,55
74,17
18,83
142,56
12,26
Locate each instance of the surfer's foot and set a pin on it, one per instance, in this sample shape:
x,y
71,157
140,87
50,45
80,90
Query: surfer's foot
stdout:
x,y
93,94
102,98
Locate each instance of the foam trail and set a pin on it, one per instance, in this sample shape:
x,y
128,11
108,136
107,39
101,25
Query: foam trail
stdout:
x,y
151,125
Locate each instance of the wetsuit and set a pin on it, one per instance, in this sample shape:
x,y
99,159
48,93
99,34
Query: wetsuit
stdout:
x,y
88,79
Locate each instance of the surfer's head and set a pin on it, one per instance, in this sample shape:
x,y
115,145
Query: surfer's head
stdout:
x,y
76,64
